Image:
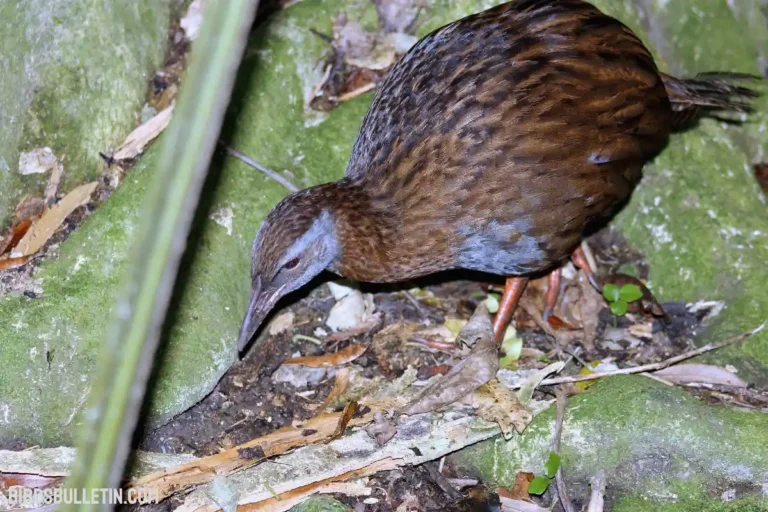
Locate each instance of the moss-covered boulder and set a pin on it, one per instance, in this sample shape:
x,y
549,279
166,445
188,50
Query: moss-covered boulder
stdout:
x,y
321,504
73,78
660,449
698,216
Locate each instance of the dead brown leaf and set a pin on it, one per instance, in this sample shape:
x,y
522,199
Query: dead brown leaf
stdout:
x,y
346,415
177,479
138,139
49,222
520,487
340,385
498,404
9,263
28,480
700,373
343,356
476,369
382,429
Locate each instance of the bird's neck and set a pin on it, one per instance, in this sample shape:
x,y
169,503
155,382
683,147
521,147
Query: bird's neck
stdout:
x,y
377,245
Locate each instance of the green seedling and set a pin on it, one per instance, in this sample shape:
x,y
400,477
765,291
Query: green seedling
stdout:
x,y
540,483
492,302
619,298
512,347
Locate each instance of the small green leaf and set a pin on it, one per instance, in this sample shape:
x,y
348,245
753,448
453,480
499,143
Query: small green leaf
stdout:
x,y
611,292
492,303
630,293
619,307
538,485
552,465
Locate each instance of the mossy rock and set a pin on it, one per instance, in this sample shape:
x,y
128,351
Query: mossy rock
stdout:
x,y
660,449
73,77
269,121
321,504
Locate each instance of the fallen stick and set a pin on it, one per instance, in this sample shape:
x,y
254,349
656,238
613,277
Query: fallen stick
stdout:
x,y
180,478
434,435
653,366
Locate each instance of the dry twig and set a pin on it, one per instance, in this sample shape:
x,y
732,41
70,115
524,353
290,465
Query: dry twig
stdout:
x,y
654,366
265,170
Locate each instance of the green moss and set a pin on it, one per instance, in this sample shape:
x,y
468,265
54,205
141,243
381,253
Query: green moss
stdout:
x,y
635,504
699,215
655,443
321,504
73,78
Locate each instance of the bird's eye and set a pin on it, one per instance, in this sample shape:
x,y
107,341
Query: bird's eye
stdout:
x,y
291,264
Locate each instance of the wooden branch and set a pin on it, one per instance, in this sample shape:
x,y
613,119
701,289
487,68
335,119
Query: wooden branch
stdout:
x,y
180,478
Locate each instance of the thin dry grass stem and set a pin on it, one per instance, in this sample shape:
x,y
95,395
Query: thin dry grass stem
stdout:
x,y
562,491
265,170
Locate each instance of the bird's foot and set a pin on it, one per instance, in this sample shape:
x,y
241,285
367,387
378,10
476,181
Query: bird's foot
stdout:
x,y
514,287
581,259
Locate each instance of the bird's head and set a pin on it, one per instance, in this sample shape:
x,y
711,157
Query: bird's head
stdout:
x,y
295,243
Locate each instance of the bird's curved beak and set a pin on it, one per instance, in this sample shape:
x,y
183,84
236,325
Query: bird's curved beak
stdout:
x,y
262,301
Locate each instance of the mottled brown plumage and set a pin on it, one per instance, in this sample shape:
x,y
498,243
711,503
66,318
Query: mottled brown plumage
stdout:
x,y
495,144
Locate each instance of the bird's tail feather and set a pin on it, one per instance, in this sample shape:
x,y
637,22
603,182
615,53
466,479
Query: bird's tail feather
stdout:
x,y
693,98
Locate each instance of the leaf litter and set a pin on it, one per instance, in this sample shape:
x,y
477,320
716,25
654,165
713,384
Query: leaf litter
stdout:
x,y
397,356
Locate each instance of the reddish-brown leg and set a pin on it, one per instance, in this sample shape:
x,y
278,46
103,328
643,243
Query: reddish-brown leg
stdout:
x,y
513,290
553,292
580,260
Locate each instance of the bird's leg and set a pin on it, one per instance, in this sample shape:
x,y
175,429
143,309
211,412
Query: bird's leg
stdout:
x,y
553,292
513,290
580,260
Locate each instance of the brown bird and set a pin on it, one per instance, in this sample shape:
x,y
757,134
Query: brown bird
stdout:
x,y
497,143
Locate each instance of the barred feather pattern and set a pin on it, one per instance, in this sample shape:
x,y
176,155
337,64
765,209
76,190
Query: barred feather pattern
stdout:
x,y
497,143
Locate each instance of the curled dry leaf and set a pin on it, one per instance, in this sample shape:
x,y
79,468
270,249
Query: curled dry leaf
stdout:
x,y
8,263
349,411
382,429
529,386
520,487
340,385
469,374
138,139
42,230
497,403
343,356
700,373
